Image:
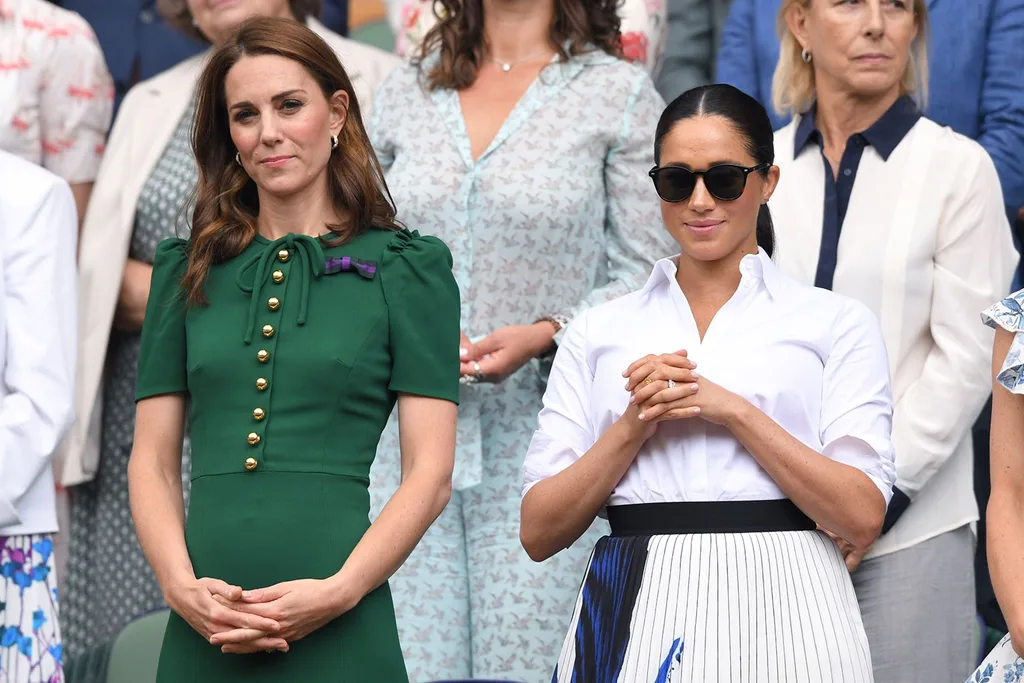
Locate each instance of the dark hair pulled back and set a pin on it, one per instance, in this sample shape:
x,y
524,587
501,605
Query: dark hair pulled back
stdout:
x,y
748,117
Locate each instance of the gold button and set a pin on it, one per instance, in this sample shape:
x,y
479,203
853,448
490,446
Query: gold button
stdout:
x,y
261,383
278,276
273,303
258,414
254,438
283,255
250,464
263,355
268,330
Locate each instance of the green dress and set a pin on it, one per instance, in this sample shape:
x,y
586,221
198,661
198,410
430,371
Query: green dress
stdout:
x,y
291,372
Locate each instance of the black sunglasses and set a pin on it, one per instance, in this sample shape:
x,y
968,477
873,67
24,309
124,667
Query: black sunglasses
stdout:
x,y
724,182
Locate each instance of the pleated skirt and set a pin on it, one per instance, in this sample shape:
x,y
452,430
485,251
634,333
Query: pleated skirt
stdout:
x,y
766,607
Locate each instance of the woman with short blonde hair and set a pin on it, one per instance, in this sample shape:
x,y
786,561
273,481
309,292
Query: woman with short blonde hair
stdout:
x,y
793,82
884,205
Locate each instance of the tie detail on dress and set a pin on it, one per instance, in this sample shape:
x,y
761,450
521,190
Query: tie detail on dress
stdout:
x,y
311,256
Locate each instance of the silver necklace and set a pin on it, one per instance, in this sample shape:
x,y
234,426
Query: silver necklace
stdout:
x,y
507,66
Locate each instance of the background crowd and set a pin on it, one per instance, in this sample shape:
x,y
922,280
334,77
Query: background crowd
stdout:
x,y
101,95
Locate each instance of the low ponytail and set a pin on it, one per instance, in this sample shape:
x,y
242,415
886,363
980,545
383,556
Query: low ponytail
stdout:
x,y
753,128
765,230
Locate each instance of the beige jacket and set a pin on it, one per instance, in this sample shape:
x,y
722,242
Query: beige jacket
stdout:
x,y
148,117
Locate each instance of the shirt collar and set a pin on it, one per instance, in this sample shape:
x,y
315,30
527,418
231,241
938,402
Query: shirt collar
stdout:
x,y
758,266
884,135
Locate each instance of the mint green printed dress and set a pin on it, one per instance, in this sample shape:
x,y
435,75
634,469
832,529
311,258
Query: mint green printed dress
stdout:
x,y
558,214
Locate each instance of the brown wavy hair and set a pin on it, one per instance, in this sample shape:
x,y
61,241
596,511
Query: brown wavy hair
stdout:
x,y
578,26
226,199
177,14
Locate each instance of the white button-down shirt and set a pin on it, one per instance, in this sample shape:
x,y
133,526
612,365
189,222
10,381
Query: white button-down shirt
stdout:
x,y
812,360
925,245
38,231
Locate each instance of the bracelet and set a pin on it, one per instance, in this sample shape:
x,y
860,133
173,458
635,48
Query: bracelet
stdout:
x,y
560,322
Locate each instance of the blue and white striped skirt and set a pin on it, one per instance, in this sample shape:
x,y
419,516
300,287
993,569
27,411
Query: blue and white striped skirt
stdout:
x,y
765,607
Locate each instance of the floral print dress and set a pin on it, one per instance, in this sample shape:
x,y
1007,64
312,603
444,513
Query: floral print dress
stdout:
x,y
550,219
56,95
30,644
1002,664
644,29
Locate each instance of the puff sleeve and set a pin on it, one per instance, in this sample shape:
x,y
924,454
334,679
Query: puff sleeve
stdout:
x,y
423,316
1009,315
162,355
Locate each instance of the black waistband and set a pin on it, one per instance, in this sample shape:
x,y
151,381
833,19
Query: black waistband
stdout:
x,y
731,517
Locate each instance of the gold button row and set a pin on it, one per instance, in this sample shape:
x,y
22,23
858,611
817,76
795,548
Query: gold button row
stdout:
x,y
273,303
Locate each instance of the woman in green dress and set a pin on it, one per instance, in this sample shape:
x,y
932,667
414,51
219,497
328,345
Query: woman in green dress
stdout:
x,y
284,330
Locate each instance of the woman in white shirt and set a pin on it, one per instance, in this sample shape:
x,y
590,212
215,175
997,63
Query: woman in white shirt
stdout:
x,y
884,205
714,483
38,233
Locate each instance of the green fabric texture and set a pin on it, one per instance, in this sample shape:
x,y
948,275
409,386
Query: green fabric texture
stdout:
x,y
130,658
135,653
321,339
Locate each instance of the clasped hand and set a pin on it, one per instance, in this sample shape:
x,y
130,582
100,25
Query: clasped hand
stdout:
x,y
498,355
246,621
667,387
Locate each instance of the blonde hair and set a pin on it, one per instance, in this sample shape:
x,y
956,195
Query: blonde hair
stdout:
x,y
793,83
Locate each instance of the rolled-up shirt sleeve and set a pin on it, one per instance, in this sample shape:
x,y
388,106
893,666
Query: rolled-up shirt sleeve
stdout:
x,y
564,431
856,402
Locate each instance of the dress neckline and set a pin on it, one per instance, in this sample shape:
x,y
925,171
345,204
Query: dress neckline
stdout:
x,y
265,240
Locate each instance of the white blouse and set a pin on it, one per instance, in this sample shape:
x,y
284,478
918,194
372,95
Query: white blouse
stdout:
x,y
925,245
813,361
38,235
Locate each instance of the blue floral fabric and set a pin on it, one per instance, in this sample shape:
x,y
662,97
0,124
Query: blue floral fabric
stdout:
x,y
1001,666
30,643
1009,315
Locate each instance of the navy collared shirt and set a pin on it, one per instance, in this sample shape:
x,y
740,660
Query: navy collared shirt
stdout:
x,y
885,136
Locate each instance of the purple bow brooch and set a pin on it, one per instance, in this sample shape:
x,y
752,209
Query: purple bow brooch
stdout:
x,y
365,268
